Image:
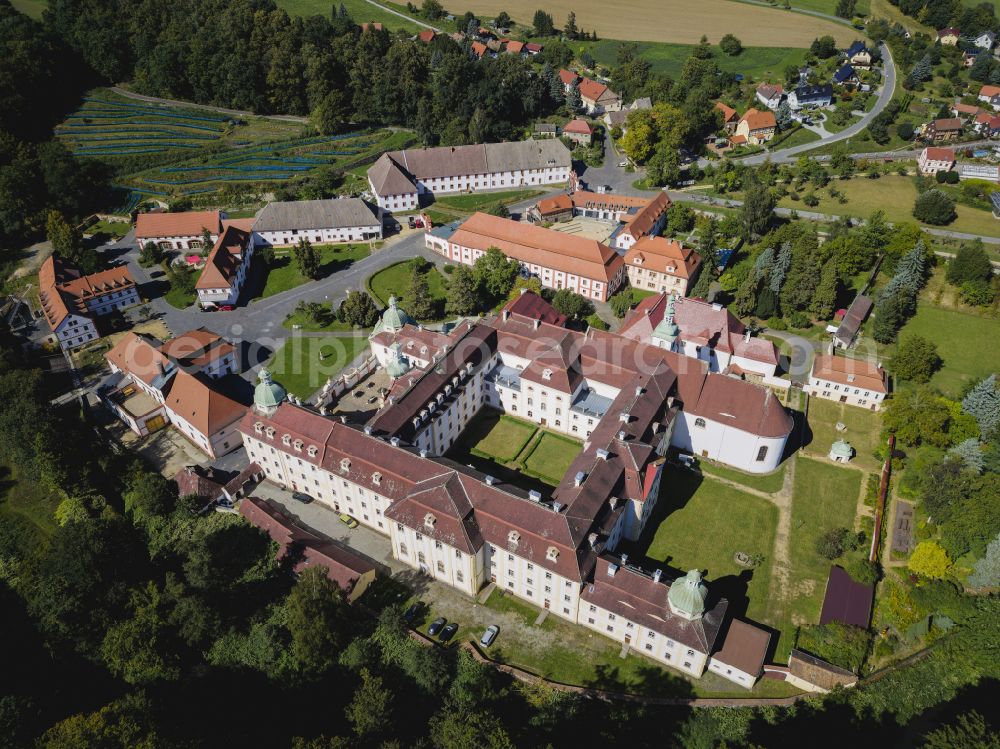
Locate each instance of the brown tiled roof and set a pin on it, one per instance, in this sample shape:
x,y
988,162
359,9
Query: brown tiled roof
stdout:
x,y
205,408
770,90
534,245
665,256
744,647
578,126
63,290
515,47
632,595
741,405
139,356
183,224
427,35
757,120
940,154
556,204
966,108
389,179
643,221
946,125
594,91
728,113
412,339
193,480
478,49
568,77
532,306
440,509
196,348
857,373
989,91
223,261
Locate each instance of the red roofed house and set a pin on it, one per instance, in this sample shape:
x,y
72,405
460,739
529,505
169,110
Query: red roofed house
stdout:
x,y
648,221
427,36
933,160
990,126
602,206
479,49
730,118
988,94
756,127
515,47
226,267
660,264
598,98
949,36
946,129
533,49
561,261
70,300
568,78
579,131
158,383
856,382
741,657
178,231
969,111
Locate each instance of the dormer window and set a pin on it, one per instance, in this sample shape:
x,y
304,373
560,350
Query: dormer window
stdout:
x,y
552,554
429,521
345,465
513,538
377,478
297,445
546,374
312,450
286,439
258,427
269,431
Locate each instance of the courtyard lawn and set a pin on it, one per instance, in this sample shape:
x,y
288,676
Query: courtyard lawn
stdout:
x,y
963,342
394,280
283,274
500,438
895,195
699,523
177,297
551,457
114,229
303,364
862,431
769,482
483,200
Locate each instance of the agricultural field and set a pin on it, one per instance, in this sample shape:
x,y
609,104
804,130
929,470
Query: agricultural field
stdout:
x,y
680,22
168,151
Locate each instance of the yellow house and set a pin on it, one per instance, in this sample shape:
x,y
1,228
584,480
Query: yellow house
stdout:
x,y
756,127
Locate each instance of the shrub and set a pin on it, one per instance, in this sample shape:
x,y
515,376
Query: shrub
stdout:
x,y
977,293
730,45
863,571
905,130
833,543
799,319
811,200
621,303
777,323
929,560
951,177
839,644
934,207
448,269
596,322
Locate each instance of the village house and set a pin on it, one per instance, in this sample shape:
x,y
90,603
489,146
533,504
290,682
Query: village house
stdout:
x,y
987,125
285,223
741,658
647,221
986,40
154,384
704,331
811,96
845,75
225,270
730,117
934,159
426,36
619,118
856,382
399,179
965,111
859,55
71,300
560,261
988,94
661,264
602,206
947,129
568,78
545,130
755,128
770,94
579,131
949,36
369,26
598,98
178,231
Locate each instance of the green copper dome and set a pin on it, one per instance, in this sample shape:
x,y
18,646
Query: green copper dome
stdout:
x,y
667,329
393,319
842,449
397,365
268,394
687,595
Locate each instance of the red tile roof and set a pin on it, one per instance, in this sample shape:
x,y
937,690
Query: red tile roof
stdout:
x,y
664,256
427,35
199,404
63,290
642,222
858,373
532,306
728,113
578,126
224,260
594,91
568,77
940,154
744,647
757,120
183,224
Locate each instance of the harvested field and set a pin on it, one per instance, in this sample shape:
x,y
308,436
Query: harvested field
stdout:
x,y
680,22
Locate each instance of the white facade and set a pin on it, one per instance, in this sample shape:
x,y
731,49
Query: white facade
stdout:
x,y
229,295
930,162
849,393
733,674
334,235
181,242
447,564
75,331
716,441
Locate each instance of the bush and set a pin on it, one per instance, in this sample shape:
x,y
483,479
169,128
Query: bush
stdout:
x,y
977,293
951,177
448,269
730,45
621,303
839,644
811,200
833,543
863,571
799,319
905,131
777,323
934,207
596,322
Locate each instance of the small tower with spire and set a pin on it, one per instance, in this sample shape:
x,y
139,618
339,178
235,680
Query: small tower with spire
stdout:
x,y
687,595
268,394
667,331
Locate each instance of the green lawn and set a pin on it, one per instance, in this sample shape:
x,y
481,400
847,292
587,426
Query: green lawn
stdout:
x,y
758,63
862,431
177,297
770,482
502,438
31,8
551,457
395,279
359,10
700,523
283,274
484,200
26,501
299,321
895,195
303,364
115,229
798,137
963,343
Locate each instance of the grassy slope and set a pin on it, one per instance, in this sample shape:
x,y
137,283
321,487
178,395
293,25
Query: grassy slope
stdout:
x,y
298,367
27,500
32,8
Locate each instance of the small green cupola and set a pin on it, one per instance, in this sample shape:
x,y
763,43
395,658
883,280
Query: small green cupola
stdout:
x,y
268,394
397,365
667,329
393,319
687,595
841,451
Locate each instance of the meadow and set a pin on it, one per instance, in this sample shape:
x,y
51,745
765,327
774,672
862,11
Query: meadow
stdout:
x,y
359,10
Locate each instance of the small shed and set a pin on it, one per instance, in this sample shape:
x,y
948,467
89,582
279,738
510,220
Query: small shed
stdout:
x,y
841,452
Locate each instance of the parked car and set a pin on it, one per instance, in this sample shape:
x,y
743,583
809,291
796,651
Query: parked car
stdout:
x,y
372,399
348,520
411,611
411,222
448,632
419,223
226,308
603,189
302,497
436,626
623,163
489,635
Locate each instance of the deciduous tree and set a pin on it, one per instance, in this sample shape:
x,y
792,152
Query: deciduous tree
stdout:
x,y
916,359
929,560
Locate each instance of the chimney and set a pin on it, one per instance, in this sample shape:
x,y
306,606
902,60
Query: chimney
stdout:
x,y
638,390
613,502
343,419
657,575
746,336
368,429
578,479
623,417
394,441
624,558
535,496
490,481
612,569
506,315
322,410
557,506
536,323
621,435
423,452
603,454
592,538
523,290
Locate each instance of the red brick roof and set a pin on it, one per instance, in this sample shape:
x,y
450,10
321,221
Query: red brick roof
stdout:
x,y
532,306
728,113
664,256
744,647
757,120
578,126
183,224
568,77
63,290
940,154
858,373
224,260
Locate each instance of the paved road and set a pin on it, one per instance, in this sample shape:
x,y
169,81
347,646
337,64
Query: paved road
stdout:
x,y
884,96
220,110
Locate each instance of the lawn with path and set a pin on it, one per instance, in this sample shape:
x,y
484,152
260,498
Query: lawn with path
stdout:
x,y
284,274
394,280
304,363
862,431
768,482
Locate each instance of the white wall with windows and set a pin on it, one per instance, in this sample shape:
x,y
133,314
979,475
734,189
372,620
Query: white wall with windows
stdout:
x,y
710,439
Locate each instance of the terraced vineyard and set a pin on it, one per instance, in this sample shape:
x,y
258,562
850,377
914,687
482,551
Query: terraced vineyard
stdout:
x,y
174,152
